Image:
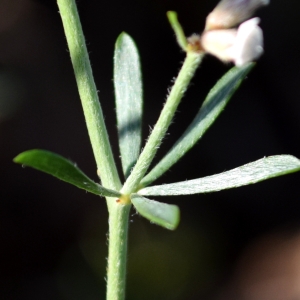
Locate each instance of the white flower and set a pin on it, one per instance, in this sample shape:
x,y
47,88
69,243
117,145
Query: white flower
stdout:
x,y
239,46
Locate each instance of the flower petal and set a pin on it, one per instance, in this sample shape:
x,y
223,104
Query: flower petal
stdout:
x,y
239,46
249,42
219,43
229,13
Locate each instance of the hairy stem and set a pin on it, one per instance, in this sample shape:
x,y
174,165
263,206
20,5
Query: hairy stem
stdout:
x,y
88,95
117,257
118,213
191,63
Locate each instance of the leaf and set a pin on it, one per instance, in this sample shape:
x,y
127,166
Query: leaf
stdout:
x,y
259,170
63,169
129,100
211,108
165,215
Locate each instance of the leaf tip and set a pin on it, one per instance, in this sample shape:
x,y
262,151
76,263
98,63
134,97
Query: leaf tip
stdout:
x,y
171,14
19,159
176,221
123,36
16,159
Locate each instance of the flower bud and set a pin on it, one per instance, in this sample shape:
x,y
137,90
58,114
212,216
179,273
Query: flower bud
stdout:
x,y
229,13
239,46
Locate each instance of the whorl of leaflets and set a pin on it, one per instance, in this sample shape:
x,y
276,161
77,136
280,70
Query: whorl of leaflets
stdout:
x,y
238,45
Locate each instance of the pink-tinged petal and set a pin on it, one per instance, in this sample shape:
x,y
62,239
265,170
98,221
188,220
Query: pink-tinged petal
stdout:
x,y
229,13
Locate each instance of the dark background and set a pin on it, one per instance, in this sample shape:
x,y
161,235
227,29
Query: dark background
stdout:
x,y
53,236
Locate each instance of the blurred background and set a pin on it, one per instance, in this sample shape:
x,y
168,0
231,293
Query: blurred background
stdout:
x,y
241,244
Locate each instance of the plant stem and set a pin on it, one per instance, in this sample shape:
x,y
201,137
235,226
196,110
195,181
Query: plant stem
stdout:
x,y
117,258
191,63
118,213
88,94
179,33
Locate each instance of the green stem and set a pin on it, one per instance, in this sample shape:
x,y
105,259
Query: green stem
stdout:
x,y
117,258
179,33
118,212
191,63
88,94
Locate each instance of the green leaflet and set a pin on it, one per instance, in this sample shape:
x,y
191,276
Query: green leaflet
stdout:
x,y
129,100
213,105
63,169
259,170
165,215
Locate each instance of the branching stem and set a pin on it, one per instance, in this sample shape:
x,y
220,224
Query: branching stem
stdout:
x,y
118,209
191,63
